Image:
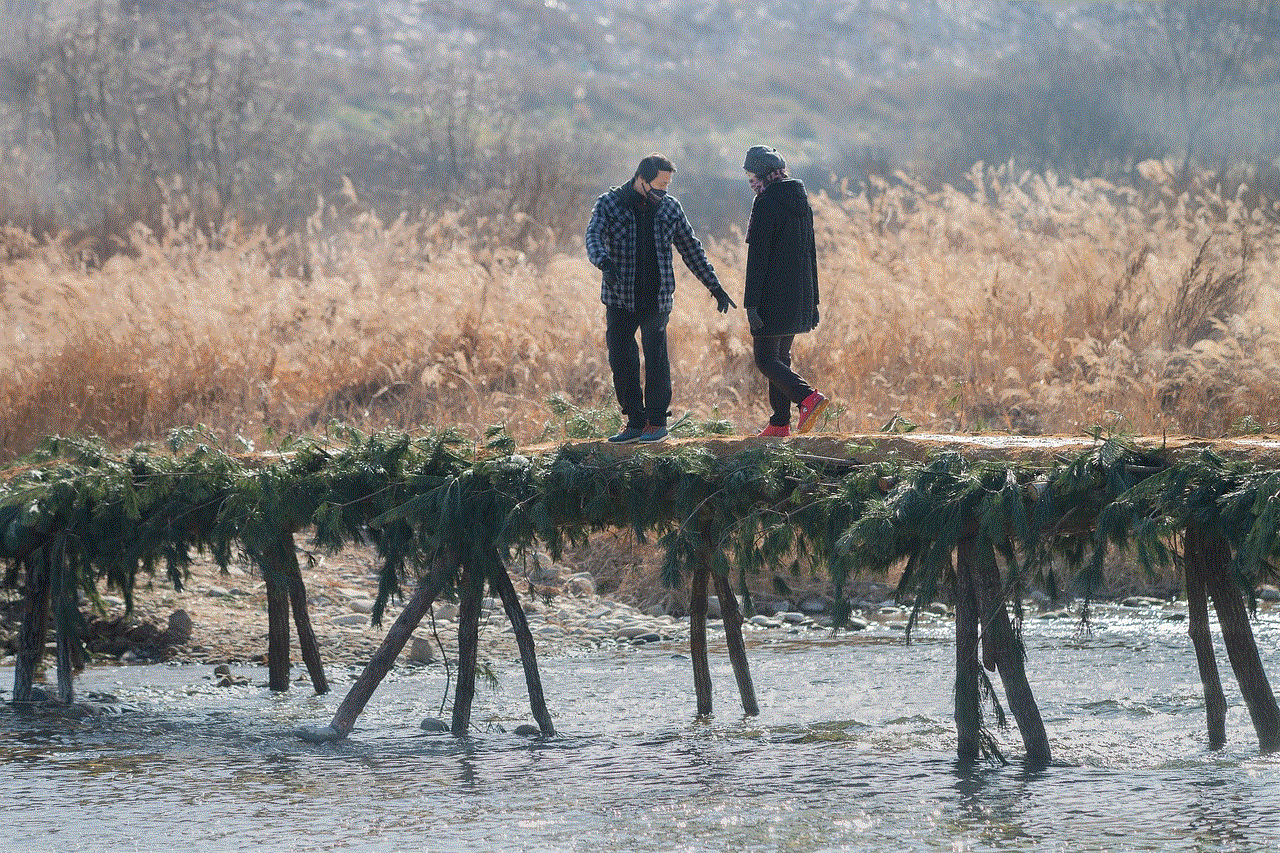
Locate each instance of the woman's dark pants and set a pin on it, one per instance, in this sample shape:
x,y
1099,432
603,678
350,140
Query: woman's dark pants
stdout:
x,y
773,359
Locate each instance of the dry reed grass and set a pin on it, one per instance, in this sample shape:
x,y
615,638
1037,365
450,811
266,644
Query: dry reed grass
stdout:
x,y
1024,303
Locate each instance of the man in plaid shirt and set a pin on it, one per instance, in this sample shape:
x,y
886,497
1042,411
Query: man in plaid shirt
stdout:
x,y
629,238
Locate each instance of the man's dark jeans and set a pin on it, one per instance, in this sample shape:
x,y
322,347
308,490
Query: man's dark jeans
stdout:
x,y
651,405
773,359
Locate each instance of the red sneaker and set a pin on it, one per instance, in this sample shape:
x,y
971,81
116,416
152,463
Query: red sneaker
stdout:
x,y
813,405
772,431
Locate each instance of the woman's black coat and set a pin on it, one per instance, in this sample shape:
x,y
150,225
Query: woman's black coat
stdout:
x,y
782,264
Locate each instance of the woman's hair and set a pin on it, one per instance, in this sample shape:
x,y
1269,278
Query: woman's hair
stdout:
x,y
653,164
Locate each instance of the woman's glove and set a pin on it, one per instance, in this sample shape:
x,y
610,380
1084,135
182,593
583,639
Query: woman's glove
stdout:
x,y
755,320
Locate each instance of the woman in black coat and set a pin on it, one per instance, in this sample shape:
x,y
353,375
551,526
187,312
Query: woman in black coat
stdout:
x,y
781,295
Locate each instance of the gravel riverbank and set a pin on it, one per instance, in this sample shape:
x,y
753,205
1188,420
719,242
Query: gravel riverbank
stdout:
x,y
221,617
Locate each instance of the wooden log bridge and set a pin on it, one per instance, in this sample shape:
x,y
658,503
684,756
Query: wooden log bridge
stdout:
x,y
445,517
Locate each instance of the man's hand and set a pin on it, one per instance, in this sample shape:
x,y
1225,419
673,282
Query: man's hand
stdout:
x,y
723,302
610,270
755,320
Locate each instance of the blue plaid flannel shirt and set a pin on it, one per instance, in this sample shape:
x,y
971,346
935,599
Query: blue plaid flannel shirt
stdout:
x,y
612,234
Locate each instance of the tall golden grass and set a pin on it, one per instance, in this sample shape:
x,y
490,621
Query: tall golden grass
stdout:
x,y
1022,302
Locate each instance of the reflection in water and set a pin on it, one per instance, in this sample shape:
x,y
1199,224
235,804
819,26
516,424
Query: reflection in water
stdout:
x,y
466,773
1226,812
853,750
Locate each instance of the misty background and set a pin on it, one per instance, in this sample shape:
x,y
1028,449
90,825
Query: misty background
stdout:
x,y
262,113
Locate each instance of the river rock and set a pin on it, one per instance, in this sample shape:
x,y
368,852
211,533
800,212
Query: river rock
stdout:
x,y
813,605
1266,592
528,730
317,734
547,574
713,606
431,724
422,650
361,605
351,620
581,584
180,627
446,611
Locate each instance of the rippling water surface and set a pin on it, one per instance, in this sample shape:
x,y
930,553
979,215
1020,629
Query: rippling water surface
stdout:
x,y
853,750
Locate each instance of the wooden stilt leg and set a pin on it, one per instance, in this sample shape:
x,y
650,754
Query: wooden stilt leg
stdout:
x,y
698,637
344,719
1003,646
524,639
277,621
1215,702
301,617
1237,637
968,699
737,646
471,593
35,623
66,620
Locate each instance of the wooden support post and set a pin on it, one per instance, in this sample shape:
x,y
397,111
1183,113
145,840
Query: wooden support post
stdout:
x,y
307,644
698,636
66,618
968,699
732,617
470,597
1215,702
1000,645
1237,635
501,581
35,623
277,620
344,719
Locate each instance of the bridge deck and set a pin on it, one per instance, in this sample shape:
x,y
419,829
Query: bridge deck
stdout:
x,y
1030,451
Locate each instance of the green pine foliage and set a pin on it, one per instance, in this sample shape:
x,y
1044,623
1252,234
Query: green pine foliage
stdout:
x,y
104,517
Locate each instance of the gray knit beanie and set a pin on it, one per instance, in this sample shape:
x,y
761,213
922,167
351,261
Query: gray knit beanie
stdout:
x,y
762,160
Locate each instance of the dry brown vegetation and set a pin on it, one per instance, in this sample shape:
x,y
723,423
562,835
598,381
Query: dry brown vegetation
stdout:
x,y
1021,302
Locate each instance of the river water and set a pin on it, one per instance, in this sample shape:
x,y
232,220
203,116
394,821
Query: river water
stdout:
x,y
853,751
